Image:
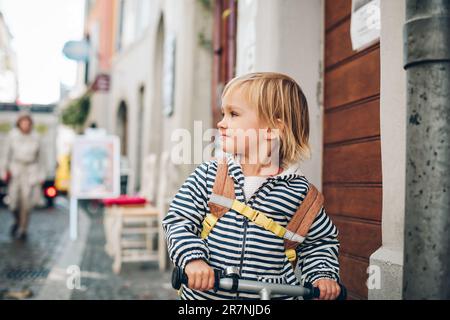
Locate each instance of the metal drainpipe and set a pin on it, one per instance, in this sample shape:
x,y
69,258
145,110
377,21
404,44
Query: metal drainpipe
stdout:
x,y
427,217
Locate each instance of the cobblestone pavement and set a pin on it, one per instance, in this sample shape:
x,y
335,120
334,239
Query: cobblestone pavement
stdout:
x,y
27,264
136,281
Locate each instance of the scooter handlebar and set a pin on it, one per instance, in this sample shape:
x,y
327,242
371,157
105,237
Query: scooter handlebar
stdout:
x,y
179,278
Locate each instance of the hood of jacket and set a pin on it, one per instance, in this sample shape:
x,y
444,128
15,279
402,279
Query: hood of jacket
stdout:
x,y
235,170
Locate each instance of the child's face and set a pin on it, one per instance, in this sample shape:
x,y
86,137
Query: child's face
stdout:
x,y
242,132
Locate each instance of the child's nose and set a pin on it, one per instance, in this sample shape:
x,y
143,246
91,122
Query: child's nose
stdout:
x,y
221,124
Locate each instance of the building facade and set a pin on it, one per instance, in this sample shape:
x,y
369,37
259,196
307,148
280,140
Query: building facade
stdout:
x,y
357,102
159,74
100,34
8,65
169,61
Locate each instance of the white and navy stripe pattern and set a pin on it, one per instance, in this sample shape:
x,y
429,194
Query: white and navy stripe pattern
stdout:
x,y
263,258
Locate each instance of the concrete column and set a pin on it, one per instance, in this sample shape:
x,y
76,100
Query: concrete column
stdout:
x,y
427,221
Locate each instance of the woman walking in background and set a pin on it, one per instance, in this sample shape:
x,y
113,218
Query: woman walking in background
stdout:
x,y
24,171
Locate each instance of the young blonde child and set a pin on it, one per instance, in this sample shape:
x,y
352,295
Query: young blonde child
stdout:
x,y
271,182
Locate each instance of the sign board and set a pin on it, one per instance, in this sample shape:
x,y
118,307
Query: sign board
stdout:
x,y
365,23
101,83
95,167
77,50
95,172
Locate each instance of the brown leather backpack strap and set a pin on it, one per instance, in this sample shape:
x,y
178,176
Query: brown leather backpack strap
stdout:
x,y
223,186
304,217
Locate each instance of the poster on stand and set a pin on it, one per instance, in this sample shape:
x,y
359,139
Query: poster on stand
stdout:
x,y
95,167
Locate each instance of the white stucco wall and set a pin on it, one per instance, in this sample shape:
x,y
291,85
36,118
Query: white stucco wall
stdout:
x,y
388,260
135,66
286,36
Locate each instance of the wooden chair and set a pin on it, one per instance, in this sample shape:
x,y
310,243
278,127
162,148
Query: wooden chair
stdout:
x,y
132,234
131,229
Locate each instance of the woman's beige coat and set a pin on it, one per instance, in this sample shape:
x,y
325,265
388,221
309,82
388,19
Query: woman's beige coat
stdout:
x,y
24,159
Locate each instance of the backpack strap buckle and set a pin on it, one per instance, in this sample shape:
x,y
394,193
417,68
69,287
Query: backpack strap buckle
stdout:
x,y
208,223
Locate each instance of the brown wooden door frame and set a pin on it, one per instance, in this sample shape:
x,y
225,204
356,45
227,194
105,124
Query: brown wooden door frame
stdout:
x,y
224,46
352,177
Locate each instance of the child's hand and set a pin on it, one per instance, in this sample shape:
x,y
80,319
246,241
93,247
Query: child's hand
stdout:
x,y
200,274
329,289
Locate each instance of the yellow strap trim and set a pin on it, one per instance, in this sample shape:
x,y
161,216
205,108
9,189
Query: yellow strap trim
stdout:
x,y
291,254
258,218
238,206
208,223
226,13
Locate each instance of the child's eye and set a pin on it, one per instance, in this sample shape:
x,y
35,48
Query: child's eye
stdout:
x,y
234,114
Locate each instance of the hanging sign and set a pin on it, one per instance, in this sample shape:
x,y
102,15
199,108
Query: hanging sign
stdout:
x,y
365,23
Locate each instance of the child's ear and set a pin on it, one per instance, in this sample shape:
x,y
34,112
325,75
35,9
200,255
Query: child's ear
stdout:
x,y
274,133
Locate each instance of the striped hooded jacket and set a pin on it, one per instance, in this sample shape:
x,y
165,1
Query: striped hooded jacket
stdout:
x,y
237,242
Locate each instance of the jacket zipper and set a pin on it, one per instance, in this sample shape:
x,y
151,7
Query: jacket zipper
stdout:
x,y
246,225
243,239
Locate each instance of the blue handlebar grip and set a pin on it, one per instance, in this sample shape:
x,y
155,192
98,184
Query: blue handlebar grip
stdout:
x,y
315,292
178,278
343,294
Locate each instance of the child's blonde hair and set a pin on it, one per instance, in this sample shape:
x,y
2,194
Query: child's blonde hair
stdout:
x,y
277,96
